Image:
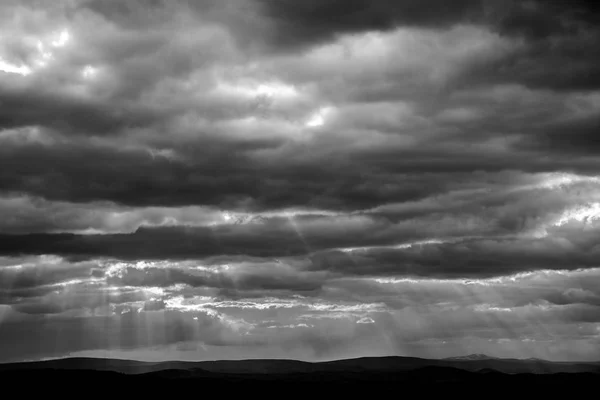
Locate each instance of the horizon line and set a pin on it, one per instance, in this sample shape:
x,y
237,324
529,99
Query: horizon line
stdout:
x,y
455,358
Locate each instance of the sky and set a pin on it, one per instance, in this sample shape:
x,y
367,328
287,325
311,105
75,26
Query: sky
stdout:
x,y
315,180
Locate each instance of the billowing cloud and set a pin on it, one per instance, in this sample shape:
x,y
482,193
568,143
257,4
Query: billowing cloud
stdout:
x,y
300,179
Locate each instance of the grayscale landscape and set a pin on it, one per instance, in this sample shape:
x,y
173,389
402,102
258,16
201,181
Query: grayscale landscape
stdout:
x,y
365,195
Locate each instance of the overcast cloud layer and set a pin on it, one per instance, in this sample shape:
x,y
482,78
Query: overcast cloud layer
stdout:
x,y
300,179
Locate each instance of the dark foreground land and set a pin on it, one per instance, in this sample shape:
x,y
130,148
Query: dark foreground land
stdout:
x,y
389,376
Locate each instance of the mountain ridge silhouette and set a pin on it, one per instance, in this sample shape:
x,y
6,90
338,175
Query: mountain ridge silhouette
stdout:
x,y
472,363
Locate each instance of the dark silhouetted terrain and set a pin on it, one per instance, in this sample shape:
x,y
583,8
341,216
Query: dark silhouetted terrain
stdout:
x,y
377,373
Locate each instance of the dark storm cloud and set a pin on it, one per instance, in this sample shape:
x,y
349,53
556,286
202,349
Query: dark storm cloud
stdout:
x,y
240,171
31,276
462,258
36,215
221,176
575,55
553,33
550,33
69,115
82,172
263,237
539,19
490,207
480,258
532,18
487,227
230,177
570,136
310,22
182,243
14,296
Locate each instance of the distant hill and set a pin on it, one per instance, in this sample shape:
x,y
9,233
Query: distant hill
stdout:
x,y
472,363
368,376
342,379
471,357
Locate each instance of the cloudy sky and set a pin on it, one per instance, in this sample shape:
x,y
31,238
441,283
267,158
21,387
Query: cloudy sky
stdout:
x,y
315,179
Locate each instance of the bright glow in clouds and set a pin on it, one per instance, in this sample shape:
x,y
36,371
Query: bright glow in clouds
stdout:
x,y
396,246
14,69
233,217
89,72
318,118
557,180
45,54
276,90
406,49
61,40
227,217
586,214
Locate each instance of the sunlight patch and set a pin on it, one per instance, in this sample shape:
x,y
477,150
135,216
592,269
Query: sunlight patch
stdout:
x,y
9,68
61,40
366,320
319,118
44,56
493,308
561,179
394,246
586,214
233,217
529,276
273,89
89,72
